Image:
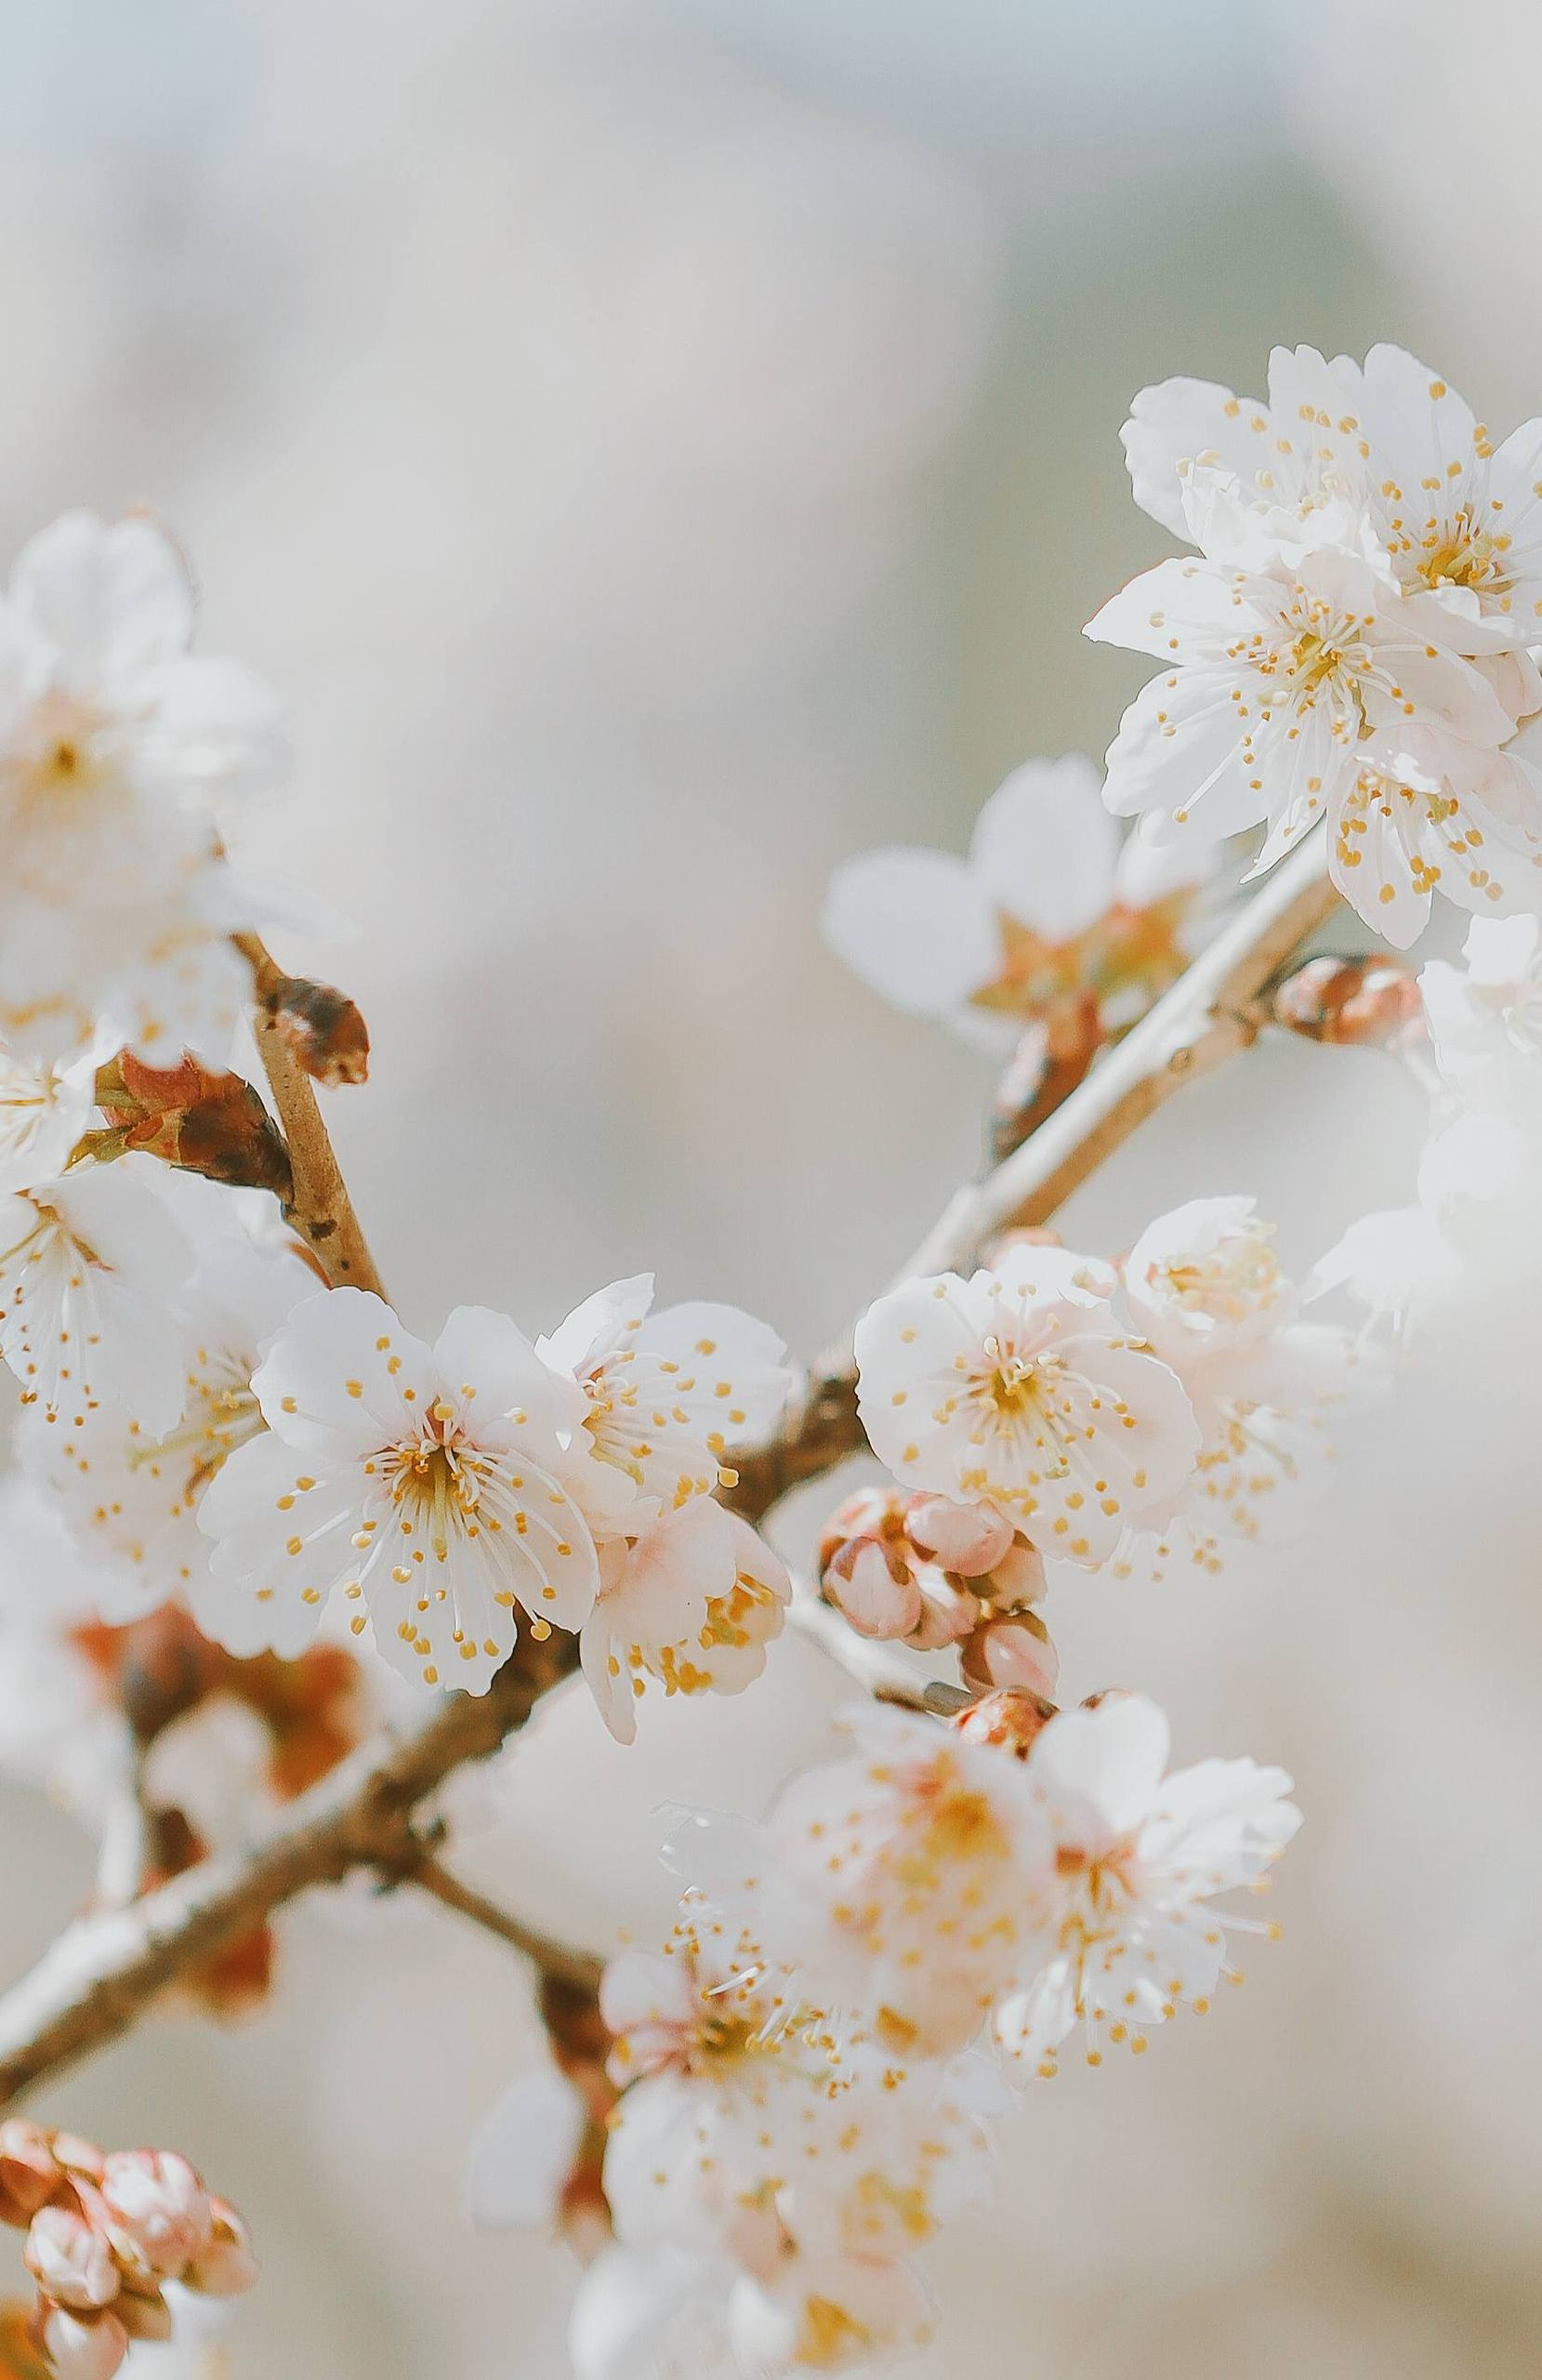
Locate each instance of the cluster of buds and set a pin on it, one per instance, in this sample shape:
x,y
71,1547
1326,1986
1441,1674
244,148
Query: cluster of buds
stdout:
x,y
105,2236
919,1570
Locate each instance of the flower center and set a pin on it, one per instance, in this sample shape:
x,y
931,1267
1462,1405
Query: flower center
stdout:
x,y
1464,556
431,1478
1015,1383
1230,1283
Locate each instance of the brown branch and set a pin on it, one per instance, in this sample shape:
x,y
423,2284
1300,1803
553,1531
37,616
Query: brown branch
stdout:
x,y
1206,1018
577,1969
105,1971
320,1209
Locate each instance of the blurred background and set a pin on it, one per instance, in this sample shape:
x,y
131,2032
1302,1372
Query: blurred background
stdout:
x,y
660,447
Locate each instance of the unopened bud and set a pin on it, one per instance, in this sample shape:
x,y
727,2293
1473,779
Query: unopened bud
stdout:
x,y
324,1030
1367,1003
227,2266
1008,1720
970,1538
1011,1651
80,2347
1018,1579
949,1610
158,2209
70,2261
872,1589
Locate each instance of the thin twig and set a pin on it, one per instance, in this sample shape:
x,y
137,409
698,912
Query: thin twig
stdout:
x,y
321,1209
1206,1018
107,1969
579,1969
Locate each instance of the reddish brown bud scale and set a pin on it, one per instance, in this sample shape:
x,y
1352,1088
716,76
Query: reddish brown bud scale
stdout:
x,y
193,1119
1361,1002
323,1030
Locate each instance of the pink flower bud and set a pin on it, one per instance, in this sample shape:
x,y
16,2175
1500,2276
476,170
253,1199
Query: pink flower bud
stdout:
x,y
948,1612
70,2261
227,2266
82,2347
158,2207
30,2172
970,1538
1012,1651
872,1511
1008,1720
1018,1577
872,1588
78,2156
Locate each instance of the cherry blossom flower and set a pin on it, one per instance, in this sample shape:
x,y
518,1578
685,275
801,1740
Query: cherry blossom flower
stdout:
x,y
692,1603
827,2313
1048,911
113,742
654,2313
90,1263
725,2082
436,1489
668,1394
1137,1858
1451,509
1285,679
1206,1291
136,1494
1018,1389
900,1882
1446,818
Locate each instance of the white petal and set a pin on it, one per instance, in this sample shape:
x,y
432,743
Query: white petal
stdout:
x,y
1045,847
523,2152
916,925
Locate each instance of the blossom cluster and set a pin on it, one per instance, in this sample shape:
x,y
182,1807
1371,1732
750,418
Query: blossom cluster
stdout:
x,y
112,2239
804,2097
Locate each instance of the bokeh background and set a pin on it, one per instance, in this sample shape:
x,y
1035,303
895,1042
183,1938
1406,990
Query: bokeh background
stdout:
x,y
660,447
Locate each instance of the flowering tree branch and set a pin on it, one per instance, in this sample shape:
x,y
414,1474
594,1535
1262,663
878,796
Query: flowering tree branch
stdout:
x,y
1209,1015
559,1963
103,1974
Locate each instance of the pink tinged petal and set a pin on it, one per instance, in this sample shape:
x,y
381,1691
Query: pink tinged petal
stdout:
x,y
343,1378
916,925
1100,1769
522,2153
81,2348
1043,847
605,1320
1180,422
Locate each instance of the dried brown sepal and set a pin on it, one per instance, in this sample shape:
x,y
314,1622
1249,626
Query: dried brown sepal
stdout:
x,y
323,1029
1051,1059
1358,1002
580,2045
189,1116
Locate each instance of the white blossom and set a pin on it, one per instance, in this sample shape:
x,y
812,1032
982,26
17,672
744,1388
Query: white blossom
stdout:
x,y
1049,906
1288,678
900,1882
135,1495
114,741
1485,1017
61,1726
667,1395
436,1489
1206,1289
1020,1389
692,1603
1451,509
89,1265
1127,1929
